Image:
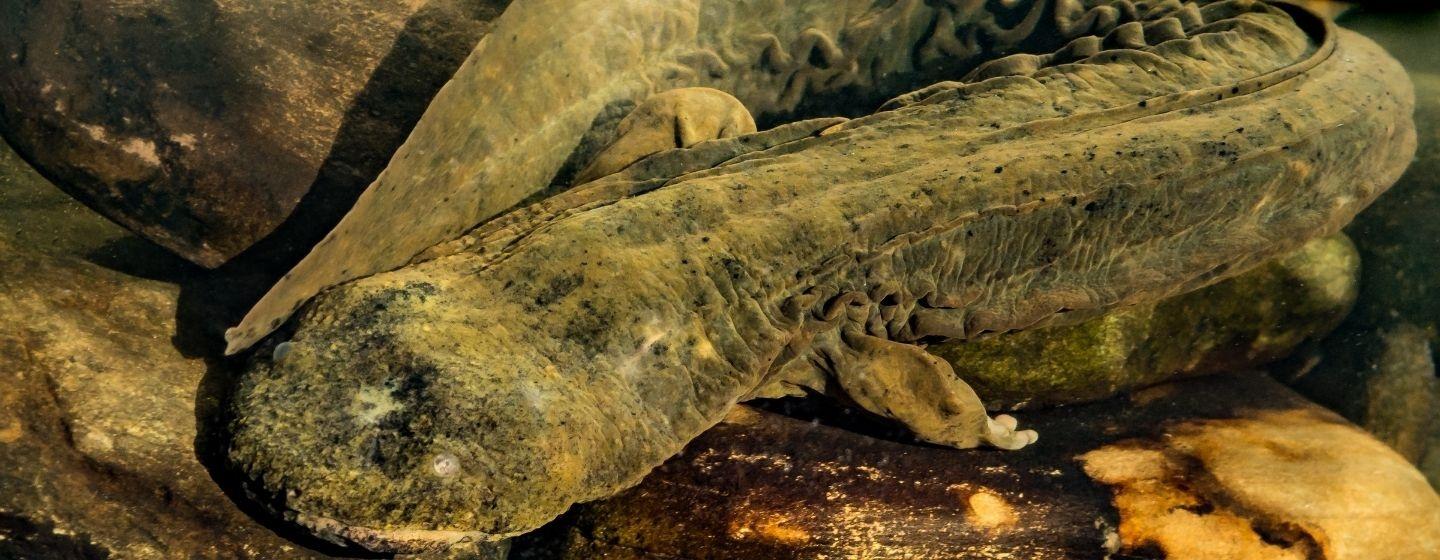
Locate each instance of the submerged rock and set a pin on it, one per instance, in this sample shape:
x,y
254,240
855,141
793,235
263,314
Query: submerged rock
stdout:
x,y
36,215
98,415
1240,323
1401,403
98,409
1230,466
201,126
1377,368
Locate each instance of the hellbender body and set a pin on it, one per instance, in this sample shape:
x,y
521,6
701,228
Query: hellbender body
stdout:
x,y
560,353
556,75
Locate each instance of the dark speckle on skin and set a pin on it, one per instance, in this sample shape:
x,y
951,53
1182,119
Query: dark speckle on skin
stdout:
x,y
558,289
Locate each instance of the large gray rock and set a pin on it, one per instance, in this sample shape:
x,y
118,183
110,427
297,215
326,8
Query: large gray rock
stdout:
x,y
202,125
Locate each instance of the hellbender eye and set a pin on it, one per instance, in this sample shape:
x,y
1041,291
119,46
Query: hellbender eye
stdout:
x,y
445,465
281,350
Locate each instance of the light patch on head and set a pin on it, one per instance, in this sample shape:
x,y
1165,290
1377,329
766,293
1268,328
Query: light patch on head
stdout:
x,y
533,396
445,465
370,404
652,333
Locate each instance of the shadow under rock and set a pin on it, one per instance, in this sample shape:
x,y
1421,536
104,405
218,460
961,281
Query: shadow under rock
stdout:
x,y
27,538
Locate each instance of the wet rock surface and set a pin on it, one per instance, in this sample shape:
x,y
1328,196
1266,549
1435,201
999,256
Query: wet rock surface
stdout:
x,y
1231,466
99,410
1240,323
98,414
201,126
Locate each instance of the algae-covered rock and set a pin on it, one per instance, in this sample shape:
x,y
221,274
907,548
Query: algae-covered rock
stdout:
x,y
1228,466
202,125
1242,322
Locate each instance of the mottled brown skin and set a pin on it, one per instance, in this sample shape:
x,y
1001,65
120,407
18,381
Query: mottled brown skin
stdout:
x,y
558,355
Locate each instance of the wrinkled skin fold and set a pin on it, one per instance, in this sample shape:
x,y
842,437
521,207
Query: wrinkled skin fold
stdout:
x,y
557,354
532,94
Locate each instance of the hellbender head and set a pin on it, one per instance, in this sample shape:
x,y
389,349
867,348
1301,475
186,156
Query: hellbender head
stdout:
x,y
373,426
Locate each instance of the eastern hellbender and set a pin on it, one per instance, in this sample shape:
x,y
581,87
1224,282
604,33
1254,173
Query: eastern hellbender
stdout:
x,y
558,353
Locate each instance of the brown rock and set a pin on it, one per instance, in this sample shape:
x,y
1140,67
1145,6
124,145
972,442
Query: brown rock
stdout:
x,y
98,422
1175,471
1268,485
98,409
201,126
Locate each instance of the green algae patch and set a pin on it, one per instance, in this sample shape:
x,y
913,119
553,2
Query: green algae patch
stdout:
x,y
1246,321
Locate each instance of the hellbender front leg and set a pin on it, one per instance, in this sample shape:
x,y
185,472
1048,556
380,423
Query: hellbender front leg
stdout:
x,y
678,118
905,383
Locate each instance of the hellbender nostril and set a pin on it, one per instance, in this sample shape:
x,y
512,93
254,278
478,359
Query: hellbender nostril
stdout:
x,y
445,465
